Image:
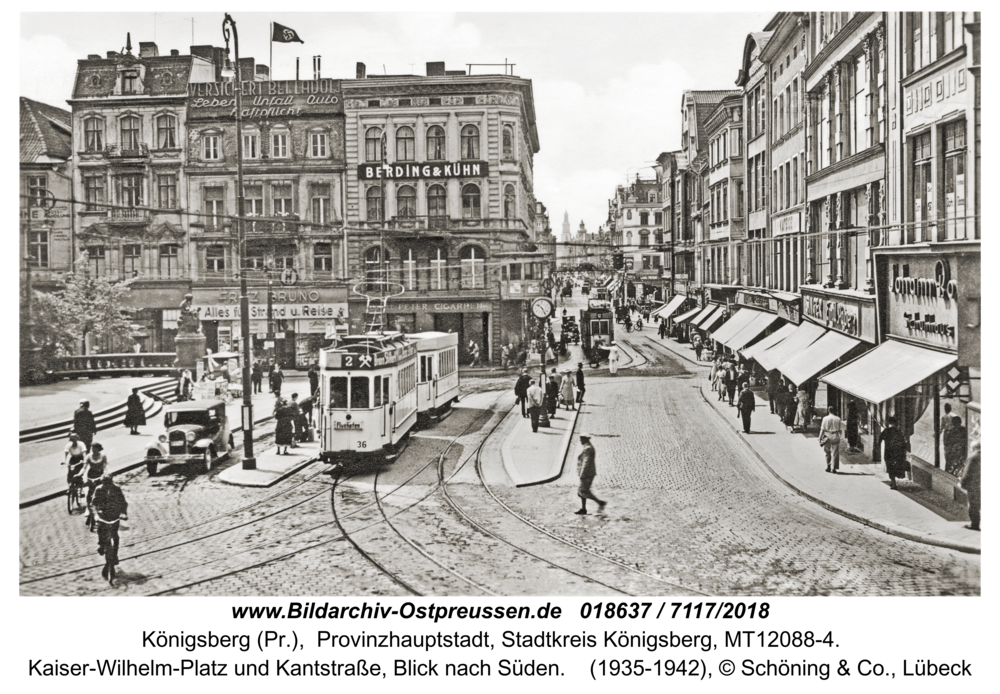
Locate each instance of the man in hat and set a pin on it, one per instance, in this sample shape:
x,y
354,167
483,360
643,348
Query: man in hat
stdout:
x,y
580,387
110,508
586,468
521,391
536,398
84,424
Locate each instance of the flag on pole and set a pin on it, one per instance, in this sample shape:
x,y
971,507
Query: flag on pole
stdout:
x,y
283,34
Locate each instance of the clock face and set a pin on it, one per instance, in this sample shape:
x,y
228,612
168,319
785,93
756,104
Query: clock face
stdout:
x,y
542,308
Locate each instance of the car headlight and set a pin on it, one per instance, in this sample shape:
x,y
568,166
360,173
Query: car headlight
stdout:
x,y
190,436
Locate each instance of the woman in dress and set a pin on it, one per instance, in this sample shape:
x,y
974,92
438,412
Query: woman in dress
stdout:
x,y
788,407
802,410
852,427
135,415
566,391
284,430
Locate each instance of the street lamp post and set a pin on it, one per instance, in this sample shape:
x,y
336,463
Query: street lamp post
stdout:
x,y
233,70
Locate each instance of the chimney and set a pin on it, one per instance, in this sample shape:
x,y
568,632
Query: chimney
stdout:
x,y
112,55
174,51
317,60
435,69
263,73
360,71
202,52
246,68
94,56
148,49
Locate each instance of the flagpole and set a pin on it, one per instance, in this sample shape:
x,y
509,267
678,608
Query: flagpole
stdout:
x,y
270,44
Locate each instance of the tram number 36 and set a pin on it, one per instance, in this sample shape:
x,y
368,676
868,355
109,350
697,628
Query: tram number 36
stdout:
x,y
362,444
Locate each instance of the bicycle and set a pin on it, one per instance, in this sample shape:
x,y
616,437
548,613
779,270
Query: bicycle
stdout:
x,y
76,493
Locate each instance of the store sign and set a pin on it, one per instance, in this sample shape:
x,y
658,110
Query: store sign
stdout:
x,y
834,314
393,172
923,306
766,303
445,307
789,312
265,99
789,224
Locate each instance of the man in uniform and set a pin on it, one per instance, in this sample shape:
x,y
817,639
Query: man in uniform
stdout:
x,y
586,468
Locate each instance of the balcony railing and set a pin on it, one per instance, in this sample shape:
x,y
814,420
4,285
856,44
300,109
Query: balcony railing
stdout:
x,y
272,226
445,223
119,152
113,365
129,215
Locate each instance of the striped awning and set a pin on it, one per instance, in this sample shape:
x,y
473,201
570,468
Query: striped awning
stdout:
x,y
754,329
702,315
714,320
774,357
667,309
736,322
769,341
818,356
684,317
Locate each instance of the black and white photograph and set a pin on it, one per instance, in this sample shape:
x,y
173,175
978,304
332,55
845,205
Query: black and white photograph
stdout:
x,y
598,305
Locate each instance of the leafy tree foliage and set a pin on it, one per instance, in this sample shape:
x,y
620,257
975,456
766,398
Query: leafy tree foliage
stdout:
x,y
93,307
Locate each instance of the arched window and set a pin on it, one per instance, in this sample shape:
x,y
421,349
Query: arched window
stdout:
x,y
437,201
166,132
435,143
405,149
406,202
373,198
470,142
93,133
508,142
470,202
373,144
509,208
375,267
473,267
130,132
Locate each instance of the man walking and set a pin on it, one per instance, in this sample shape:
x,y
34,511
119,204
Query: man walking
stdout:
x,y
504,356
256,376
774,389
731,381
474,353
663,329
552,394
830,431
535,398
84,424
745,406
586,468
521,391
580,387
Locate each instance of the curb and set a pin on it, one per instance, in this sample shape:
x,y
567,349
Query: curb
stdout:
x,y
277,476
896,530
563,446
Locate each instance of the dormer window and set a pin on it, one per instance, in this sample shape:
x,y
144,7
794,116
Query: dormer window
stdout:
x,y
130,82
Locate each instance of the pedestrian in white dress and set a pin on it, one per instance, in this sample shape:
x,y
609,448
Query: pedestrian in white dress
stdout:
x,y
613,358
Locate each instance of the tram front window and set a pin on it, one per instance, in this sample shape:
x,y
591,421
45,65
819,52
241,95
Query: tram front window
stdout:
x,y
359,393
338,392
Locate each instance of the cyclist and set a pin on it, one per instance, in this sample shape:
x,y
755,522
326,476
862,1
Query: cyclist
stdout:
x,y
95,465
638,323
110,507
73,456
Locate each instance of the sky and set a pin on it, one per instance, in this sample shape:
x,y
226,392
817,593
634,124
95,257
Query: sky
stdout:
x,y
607,86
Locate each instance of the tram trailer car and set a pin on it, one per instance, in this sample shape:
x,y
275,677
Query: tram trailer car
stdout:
x,y
437,373
368,389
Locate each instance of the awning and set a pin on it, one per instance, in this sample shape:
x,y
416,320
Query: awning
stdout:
x,y
702,315
667,309
761,322
714,320
736,322
687,316
818,356
775,357
769,341
888,370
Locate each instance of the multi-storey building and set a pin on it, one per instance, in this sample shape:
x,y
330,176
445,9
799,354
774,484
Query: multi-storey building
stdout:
x,y
45,247
636,221
724,218
439,181
292,138
129,135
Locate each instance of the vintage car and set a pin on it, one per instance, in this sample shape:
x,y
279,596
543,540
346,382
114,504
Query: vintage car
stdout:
x,y
196,430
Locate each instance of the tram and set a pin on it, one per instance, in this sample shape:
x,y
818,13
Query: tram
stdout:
x,y
437,373
368,395
597,326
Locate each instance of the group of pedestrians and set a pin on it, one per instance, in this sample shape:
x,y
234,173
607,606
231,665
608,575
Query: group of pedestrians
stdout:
x,y
546,394
293,421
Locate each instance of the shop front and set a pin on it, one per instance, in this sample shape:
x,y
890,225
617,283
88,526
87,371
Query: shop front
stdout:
x,y
301,318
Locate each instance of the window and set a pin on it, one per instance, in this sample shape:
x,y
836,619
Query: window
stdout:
x,y
255,256
788,184
215,206
923,185
166,188
439,269
373,144
954,180
131,260
508,142
406,202
279,145
437,201
658,218
284,256
374,267
916,41
38,249
473,267
736,147
251,146
644,218
166,132
169,260
794,117
470,202
253,205
130,132
435,143
317,145
130,82
859,107
96,260
470,142
129,190
323,257
823,135
321,203
643,238
338,392
360,399
509,202
210,148
409,269
37,186
373,200
93,134
405,148
281,200
93,192
795,181
215,259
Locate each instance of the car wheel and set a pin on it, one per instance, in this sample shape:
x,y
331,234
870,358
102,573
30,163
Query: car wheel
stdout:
x,y
151,467
207,458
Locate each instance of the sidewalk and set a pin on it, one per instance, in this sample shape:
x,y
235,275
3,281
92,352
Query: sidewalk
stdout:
x,y
271,467
861,489
536,457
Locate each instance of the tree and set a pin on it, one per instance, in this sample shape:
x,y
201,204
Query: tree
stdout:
x,y
93,307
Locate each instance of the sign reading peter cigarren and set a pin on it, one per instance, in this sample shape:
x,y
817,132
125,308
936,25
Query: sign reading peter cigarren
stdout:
x,y
266,99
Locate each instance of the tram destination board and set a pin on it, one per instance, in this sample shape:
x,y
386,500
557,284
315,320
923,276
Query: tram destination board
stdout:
x,y
350,361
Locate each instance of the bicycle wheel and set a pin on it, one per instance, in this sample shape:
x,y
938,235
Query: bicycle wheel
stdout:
x,y
70,498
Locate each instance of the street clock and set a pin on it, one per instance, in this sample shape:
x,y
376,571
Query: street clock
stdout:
x,y
542,307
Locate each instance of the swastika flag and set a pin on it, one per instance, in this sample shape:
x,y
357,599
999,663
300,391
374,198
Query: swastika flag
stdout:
x,y
283,34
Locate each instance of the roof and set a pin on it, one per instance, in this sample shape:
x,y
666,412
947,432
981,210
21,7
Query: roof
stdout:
x,y
45,131
756,39
194,405
705,102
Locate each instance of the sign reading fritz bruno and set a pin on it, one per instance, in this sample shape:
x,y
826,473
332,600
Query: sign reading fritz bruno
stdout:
x,y
459,169
266,99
